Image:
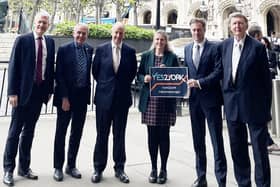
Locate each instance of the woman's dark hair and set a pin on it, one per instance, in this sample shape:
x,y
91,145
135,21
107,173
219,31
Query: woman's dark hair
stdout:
x,y
266,41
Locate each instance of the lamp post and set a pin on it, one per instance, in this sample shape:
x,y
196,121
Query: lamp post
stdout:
x,y
20,21
158,15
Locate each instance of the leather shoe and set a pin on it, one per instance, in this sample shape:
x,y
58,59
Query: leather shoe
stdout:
x,y
58,175
96,177
122,176
8,179
162,177
29,174
74,172
153,176
200,182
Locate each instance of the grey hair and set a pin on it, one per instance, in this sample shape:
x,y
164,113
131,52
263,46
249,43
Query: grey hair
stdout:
x,y
238,15
42,13
81,24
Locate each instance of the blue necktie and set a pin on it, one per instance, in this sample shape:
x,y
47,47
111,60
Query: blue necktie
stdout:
x,y
196,56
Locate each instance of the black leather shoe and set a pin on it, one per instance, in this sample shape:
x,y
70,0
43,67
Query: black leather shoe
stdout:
x,y
58,175
8,179
162,177
200,182
153,176
73,172
122,176
96,177
29,174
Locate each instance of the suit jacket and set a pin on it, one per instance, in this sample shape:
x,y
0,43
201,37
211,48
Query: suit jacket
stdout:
x,y
111,85
248,99
65,70
22,67
208,74
148,61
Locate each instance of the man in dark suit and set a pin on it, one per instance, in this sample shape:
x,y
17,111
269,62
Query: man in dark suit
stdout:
x,y
114,68
247,99
30,83
71,97
204,74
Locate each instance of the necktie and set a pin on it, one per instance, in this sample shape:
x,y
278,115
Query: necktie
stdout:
x,y
81,67
39,61
196,56
235,59
116,58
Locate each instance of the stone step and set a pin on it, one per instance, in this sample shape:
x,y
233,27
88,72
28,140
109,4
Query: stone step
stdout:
x,y
6,44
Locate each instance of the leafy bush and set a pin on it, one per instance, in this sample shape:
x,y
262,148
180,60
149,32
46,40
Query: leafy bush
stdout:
x,y
104,31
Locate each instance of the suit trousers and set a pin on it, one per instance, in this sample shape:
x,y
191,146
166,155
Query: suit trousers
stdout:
x,y
240,155
21,132
215,127
117,118
77,115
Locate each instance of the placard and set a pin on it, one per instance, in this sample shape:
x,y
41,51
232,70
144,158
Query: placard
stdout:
x,y
168,82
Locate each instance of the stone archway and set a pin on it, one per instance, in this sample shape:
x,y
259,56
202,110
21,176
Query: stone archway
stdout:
x,y
147,17
225,18
273,20
172,17
169,11
270,14
144,14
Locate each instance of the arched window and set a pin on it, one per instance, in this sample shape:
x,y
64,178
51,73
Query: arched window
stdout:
x,y
172,17
147,17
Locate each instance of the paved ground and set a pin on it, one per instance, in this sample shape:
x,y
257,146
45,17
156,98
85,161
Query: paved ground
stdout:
x,y
181,171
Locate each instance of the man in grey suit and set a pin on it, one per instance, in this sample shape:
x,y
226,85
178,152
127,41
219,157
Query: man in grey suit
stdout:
x,y
247,99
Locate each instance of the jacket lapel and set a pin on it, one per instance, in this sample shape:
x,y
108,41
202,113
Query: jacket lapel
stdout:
x,y
228,61
190,59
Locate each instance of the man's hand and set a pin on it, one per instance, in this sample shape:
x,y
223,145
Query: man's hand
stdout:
x,y
193,83
65,104
13,100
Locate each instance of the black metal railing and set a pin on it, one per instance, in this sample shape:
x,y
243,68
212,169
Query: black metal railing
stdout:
x,y
5,108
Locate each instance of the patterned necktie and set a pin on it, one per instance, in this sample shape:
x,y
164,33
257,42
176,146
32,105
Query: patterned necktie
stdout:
x,y
39,61
196,56
81,67
116,58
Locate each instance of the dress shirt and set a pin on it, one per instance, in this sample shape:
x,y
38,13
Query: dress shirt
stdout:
x,y
236,53
119,55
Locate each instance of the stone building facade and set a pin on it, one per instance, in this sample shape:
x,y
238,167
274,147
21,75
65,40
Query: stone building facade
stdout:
x,y
177,13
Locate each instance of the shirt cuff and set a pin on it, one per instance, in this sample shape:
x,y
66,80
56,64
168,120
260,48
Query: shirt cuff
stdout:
x,y
197,81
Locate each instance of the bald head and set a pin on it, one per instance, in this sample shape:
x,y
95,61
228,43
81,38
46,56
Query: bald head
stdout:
x,y
118,31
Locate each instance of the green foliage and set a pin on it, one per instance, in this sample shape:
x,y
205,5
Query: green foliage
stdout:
x,y
104,31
